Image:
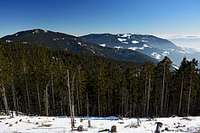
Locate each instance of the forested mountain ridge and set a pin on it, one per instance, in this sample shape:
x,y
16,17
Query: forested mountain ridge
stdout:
x,y
45,81
74,44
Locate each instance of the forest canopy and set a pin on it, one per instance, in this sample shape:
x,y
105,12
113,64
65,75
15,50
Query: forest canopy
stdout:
x,y
42,81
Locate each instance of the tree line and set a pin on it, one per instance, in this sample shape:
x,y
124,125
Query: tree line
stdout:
x,y
52,82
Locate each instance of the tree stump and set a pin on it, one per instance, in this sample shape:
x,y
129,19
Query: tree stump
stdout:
x,y
80,128
89,123
138,122
113,129
159,125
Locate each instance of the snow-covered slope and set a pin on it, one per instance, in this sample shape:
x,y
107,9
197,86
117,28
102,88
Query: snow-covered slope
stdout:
x,y
150,45
31,124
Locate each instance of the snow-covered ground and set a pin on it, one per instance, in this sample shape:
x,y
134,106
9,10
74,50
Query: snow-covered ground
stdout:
x,y
38,124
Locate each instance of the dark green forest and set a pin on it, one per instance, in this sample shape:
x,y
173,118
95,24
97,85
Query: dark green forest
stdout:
x,y
42,81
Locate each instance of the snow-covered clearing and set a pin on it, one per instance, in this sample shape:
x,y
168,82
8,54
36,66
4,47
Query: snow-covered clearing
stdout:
x,y
38,124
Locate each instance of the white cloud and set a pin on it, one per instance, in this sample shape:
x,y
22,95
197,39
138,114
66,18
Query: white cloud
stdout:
x,y
187,41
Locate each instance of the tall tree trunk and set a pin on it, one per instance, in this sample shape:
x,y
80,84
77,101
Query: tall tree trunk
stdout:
x,y
14,97
5,100
181,95
28,96
38,97
53,95
189,97
26,87
148,95
72,93
166,99
163,92
78,101
61,107
77,93
70,102
98,101
47,100
87,103
69,92
17,102
145,95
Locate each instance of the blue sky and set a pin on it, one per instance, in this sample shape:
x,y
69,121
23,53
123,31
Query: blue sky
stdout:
x,y
78,17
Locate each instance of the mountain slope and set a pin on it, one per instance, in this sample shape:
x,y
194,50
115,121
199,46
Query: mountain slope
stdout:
x,y
75,45
147,44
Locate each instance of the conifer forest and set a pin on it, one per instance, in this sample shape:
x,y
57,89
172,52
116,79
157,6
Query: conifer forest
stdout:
x,y
43,81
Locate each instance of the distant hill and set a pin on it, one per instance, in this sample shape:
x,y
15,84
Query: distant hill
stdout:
x,y
75,44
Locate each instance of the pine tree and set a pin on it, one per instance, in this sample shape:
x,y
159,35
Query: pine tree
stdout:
x,y
165,66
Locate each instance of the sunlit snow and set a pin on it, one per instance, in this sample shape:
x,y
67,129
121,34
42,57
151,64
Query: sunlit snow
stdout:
x,y
39,124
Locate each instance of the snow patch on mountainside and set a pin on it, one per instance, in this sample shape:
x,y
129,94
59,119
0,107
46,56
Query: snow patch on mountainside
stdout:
x,y
144,41
127,35
165,53
9,41
57,39
146,46
102,45
135,42
121,39
118,47
156,55
125,42
140,48
79,43
35,31
135,48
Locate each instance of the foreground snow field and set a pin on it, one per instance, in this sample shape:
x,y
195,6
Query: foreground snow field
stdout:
x,y
33,124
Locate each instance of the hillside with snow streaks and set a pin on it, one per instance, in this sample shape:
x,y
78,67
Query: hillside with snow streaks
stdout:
x,y
150,45
73,44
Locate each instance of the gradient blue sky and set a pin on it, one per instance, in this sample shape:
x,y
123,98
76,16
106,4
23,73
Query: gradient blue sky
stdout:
x,y
78,17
